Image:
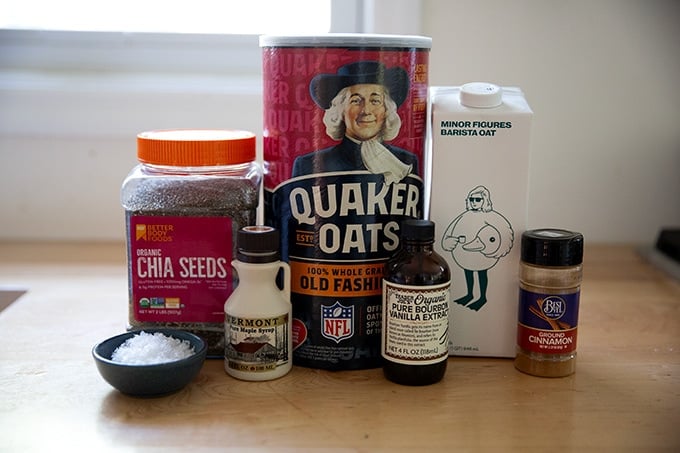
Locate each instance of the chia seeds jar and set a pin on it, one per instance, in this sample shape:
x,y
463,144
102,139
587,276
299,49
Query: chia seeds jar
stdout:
x,y
184,204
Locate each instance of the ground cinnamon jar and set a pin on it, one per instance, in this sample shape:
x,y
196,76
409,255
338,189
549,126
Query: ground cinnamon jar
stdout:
x,y
550,279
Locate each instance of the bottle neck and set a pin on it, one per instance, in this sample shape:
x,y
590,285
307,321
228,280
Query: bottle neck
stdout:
x,y
418,246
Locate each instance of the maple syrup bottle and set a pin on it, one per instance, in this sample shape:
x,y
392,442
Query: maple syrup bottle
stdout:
x,y
415,328
258,314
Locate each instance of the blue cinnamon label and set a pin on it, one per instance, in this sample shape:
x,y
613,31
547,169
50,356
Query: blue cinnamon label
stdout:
x,y
547,323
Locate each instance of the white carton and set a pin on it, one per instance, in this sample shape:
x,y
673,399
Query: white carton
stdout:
x,y
480,169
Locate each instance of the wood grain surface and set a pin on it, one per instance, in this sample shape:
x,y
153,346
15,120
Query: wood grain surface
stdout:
x,y
624,396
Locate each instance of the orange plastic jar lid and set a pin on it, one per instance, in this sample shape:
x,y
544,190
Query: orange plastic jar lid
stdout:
x,y
195,147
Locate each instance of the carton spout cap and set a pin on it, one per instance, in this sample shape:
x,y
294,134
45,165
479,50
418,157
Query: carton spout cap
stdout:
x,y
481,95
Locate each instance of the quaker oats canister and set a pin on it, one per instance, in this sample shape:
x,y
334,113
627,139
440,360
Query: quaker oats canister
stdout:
x,y
344,152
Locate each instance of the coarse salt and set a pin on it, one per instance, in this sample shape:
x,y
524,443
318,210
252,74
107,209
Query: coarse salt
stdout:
x,y
151,348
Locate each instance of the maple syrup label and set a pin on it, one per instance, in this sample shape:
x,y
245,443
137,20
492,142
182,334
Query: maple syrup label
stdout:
x,y
256,344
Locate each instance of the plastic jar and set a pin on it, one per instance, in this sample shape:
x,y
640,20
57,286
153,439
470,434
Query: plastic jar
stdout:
x,y
184,204
550,275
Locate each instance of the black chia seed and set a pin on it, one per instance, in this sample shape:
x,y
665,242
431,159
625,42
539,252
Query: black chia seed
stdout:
x,y
215,194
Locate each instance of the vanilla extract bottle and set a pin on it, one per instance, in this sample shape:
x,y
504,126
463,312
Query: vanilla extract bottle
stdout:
x,y
415,309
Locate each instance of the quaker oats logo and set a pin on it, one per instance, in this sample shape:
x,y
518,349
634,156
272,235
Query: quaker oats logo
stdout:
x,y
554,307
337,322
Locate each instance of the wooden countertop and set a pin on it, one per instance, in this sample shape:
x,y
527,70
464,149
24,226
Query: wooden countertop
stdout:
x,y
625,394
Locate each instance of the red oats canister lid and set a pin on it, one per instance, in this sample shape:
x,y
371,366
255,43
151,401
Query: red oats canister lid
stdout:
x,y
195,147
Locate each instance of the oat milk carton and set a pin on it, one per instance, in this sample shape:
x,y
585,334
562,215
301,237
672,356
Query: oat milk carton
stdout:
x,y
480,168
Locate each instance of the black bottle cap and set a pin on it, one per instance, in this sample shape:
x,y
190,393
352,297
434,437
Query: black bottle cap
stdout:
x,y
417,230
552,247
257,244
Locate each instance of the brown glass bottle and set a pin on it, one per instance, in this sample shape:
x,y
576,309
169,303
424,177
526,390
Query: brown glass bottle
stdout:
x,y
415,309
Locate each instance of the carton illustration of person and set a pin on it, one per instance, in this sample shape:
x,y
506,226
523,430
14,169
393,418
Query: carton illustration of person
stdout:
x,y
477,239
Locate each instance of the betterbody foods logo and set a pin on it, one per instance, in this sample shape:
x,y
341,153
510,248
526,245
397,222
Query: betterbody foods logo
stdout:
x,y
154,232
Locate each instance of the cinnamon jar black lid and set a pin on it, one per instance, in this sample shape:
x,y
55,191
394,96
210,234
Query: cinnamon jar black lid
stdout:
x,y
552,247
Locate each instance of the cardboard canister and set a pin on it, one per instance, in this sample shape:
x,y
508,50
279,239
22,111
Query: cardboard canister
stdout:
x,y
344,152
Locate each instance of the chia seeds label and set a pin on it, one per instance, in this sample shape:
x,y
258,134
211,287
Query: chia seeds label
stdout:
x,y
547,322
416,323
180,268
344,136
256,344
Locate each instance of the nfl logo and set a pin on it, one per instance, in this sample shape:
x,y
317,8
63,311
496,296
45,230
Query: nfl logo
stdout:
x,y
337,322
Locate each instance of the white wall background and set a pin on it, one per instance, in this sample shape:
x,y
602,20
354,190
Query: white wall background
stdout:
x,y
603,79
601,76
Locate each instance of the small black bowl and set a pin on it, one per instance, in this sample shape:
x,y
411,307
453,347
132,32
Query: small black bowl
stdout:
x,y
149,380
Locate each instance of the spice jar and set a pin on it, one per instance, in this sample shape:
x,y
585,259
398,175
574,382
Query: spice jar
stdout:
x,y
184,204
415,328
258,315
550,275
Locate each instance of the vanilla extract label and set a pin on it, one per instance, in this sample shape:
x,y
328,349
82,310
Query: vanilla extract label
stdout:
x,y
415,328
